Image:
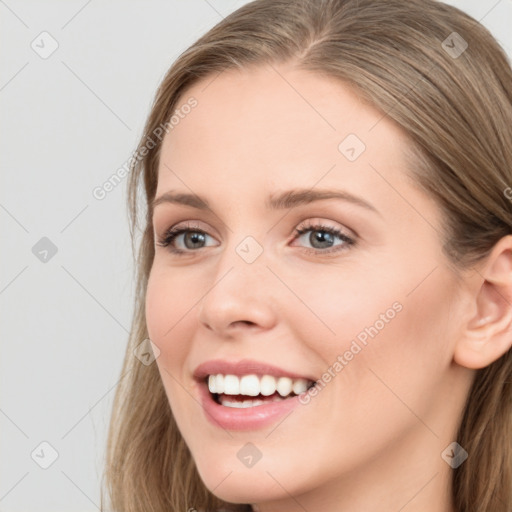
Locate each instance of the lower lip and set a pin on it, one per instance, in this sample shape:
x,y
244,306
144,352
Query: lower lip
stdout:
x,y
248,418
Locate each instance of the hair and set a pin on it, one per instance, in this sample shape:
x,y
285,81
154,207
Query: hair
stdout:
x,y
456,112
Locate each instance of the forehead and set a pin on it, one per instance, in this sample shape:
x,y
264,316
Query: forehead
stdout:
x,y
276,125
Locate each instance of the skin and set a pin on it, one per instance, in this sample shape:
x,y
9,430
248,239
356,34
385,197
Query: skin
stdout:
x,y
372,438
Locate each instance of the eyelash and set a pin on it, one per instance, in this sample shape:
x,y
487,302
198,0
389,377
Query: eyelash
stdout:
x,y
172,233
348,241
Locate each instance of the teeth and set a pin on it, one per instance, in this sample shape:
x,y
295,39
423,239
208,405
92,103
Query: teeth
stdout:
x,y
284,386
299,386
212,383
267,385
219,383
226,402
252,385
231,385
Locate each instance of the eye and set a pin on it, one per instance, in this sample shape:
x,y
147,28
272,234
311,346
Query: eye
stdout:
x,y
189,236
322,238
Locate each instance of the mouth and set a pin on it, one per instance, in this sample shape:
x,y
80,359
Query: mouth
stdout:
x,y
249,402
249,394
253,390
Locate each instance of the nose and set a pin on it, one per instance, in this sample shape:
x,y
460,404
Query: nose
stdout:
x,y
241,297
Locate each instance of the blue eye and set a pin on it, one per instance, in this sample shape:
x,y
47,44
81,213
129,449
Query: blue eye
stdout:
x,y
322,239
192,237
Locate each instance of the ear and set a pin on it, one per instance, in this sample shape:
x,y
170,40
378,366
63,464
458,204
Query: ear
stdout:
x,y
488,334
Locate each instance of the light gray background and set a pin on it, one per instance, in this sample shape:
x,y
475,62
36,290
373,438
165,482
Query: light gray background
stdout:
x,y
68,123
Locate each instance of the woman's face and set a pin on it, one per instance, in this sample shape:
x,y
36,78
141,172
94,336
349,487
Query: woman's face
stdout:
x,y
362,301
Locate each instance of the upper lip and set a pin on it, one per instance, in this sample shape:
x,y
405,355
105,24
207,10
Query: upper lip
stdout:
x,y
244,367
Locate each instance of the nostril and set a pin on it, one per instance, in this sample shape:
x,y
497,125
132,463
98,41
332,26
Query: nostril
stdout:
x,y
244,322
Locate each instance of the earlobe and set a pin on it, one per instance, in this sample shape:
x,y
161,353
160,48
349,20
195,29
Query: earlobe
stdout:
x,y
488,334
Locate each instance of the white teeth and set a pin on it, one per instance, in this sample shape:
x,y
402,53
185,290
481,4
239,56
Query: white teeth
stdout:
x,y
231,385
252,385
226,402
219,383
241,405
299,386
212,384
267,385
284,386
216,383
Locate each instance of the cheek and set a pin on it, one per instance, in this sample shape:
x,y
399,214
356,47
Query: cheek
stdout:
x,y
168,303
377,339
169,310
335,310
157,307
392,367
170,297
406,350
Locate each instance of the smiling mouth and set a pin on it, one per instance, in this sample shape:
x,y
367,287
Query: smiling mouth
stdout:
x,y
253,390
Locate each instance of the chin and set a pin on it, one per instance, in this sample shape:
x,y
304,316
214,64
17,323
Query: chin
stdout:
x,y
241,485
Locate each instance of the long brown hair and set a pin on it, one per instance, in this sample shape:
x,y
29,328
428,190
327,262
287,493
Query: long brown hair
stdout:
x,y
444,80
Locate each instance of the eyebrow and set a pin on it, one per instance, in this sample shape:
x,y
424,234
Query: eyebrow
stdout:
x,y
284,200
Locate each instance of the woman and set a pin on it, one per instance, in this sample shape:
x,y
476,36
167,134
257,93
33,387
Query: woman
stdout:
x,y
325,272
